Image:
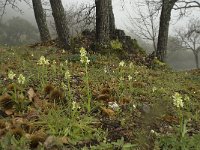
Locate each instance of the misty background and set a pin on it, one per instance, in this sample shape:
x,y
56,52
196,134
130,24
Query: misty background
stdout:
x,y
177,59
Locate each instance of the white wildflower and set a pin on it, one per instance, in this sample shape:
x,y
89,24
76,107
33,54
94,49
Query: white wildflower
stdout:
x,y
54,62
136,72
121,79
84,58
130,77
11,75
154,89
105,70
66,62
21,79
121,64
152,131
177,100
131,65
64,86
83,51
63,51
73,105
43,61
113,105
67,75
134,106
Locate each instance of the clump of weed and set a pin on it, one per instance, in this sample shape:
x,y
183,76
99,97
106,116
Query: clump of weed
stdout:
x,y
48,89
6,102
37,138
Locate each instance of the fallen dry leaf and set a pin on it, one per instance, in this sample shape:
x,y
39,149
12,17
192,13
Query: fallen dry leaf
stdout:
x,y
104,97
31,94
107,112
64,139
9,112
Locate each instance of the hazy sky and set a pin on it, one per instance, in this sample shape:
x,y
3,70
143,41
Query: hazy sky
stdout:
x,y
120,11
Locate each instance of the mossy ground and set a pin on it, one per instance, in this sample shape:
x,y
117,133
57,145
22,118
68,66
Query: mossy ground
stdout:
x,y
145,102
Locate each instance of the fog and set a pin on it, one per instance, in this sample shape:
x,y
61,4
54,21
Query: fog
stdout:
x,y
120,9
180,60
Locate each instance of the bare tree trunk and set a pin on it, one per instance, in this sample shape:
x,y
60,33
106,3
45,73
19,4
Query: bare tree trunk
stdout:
x,y
40,18
165,18
60,22
112,20
102,21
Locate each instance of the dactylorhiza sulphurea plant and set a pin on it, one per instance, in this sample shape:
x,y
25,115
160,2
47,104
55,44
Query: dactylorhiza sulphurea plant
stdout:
x,y
179,104
121,78
122,64
85,61
11,75
54,68
43,61
42,71
68,77
74,109
177,100
130,79
21,81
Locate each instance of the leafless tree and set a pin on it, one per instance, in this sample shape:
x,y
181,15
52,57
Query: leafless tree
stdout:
x,y
166,7
11,3
79,18
40,18
62,29
190,38
105,21
145,24
102,21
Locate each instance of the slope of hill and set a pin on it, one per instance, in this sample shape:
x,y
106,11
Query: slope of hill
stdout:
x,y
59,102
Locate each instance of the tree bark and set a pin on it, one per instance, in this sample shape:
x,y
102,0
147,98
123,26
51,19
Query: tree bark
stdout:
x,y
112,20
58,13
165,18
40,18
102,21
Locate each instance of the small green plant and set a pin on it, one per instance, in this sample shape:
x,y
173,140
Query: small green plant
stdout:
x,y
84,60
11,142
121,78
42,70
17,93
116,44
54,68
118,145
77,127
68,77
181,140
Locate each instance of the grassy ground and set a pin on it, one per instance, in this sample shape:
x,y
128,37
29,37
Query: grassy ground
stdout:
x,y
102,105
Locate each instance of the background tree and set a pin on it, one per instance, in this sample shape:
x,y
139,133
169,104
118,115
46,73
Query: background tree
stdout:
x,y
112,19
40,18
59,16
190,38
102,20
174,45
165,17
80,17
144,24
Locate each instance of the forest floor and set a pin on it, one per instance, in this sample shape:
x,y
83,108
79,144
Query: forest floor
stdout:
x,y
104,105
